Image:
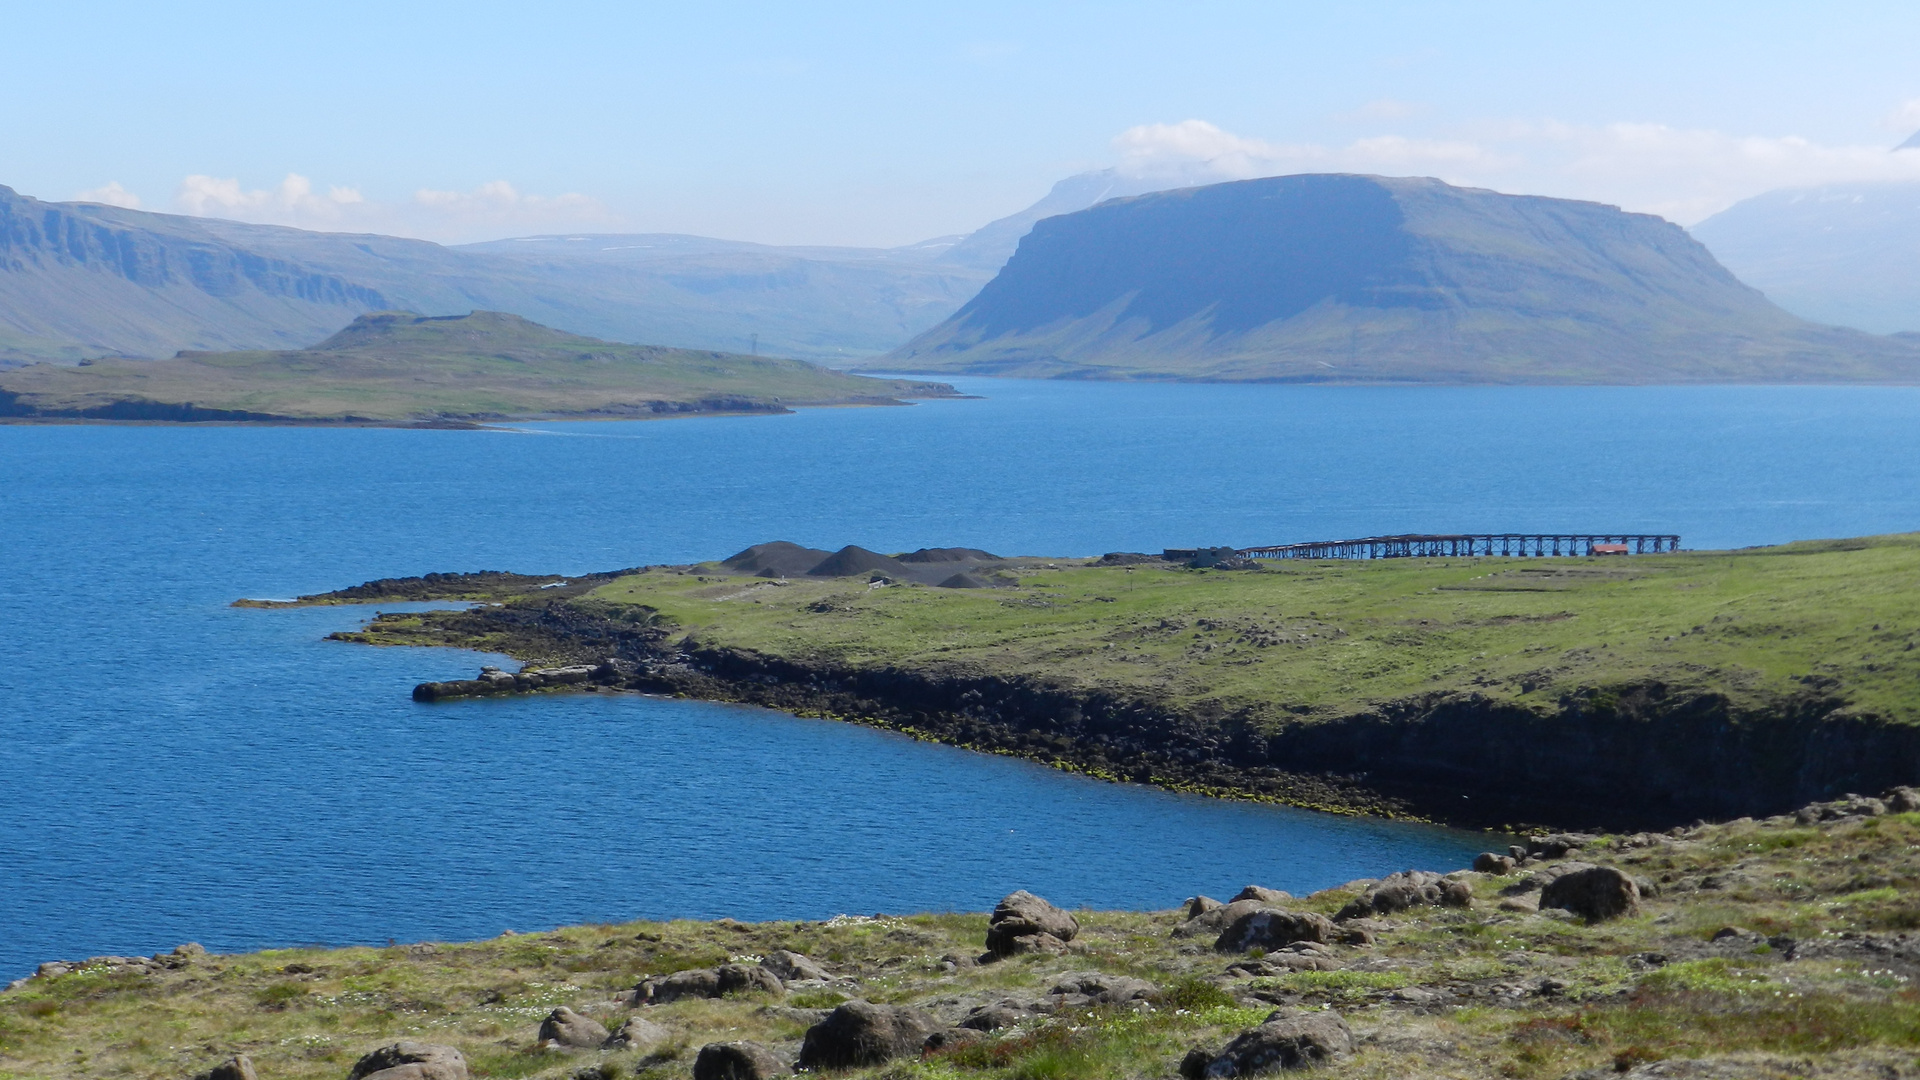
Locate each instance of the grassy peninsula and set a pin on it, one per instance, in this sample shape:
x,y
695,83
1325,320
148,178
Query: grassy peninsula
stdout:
x,y
1779,948
396,367
1644,690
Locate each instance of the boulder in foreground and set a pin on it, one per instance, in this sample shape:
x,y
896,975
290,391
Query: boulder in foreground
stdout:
x,y
737,1061
1407,889
407,1060
1271,928
564,1027
1283,1042
1595,893
861,1033
1023,923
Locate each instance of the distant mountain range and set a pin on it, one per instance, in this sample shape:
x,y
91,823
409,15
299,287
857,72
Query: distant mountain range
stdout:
x,y
81,280
1341,278
1847,254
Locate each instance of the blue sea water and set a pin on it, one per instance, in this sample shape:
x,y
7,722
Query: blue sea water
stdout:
x,y
172,768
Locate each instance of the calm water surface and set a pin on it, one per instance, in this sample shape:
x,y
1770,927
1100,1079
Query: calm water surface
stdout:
x,y
173,769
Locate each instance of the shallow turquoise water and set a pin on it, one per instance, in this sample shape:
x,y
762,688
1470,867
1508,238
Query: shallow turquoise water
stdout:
x,y
173,769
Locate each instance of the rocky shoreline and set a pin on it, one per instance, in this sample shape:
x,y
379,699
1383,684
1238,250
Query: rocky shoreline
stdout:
x,y
1645,761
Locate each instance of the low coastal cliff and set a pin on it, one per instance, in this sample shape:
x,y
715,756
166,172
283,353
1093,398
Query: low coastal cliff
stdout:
x,y
1650,756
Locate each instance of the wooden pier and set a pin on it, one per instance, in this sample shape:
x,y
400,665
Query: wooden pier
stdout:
x,y
1517,545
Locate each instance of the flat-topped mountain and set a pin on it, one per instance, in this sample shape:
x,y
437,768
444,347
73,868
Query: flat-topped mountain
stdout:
x,y
401,367
1342,278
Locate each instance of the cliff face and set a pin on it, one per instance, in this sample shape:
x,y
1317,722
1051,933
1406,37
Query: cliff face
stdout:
x,y
1371,279
86,282
1630,757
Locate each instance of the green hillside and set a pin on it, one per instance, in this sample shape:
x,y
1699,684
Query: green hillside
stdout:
x,y
396,367
1333,638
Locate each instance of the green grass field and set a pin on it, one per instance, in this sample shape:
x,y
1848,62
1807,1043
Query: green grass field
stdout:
x,y
1329,638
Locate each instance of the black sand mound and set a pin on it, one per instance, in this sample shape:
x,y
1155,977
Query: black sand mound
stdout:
x,y
777,558
948,555
950,568
853,559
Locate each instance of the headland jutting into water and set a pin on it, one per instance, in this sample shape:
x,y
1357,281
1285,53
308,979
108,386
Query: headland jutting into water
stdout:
x,y
1583,691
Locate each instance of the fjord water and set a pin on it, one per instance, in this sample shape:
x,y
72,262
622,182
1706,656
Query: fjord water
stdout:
x,y
172,768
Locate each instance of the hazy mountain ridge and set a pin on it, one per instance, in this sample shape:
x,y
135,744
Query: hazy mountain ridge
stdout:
x,y
1348,278
81,280
989,247
1847,254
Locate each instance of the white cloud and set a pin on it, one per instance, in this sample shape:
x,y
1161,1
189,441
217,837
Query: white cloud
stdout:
x,y
1679,173
111,194
489,211
1905,118
293,202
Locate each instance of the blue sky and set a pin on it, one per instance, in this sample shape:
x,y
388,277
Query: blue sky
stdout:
x,y
887,123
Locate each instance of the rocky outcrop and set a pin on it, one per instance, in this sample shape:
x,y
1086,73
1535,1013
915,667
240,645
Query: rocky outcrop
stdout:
x,y
691,983
951,1039
407,1060
1082,988
1199,905
1211,921
737,1061
997,1015
237,1067
860,1033
1285,1041
1406,889
637,1034
568,1029
793,967
1488,862
1594,893
1294,956
494,681
706,983
1270,928
1262,894
1024,923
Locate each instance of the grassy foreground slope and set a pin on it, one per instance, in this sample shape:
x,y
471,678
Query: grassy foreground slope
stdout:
x,y
1771,949
1588,692
400,367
